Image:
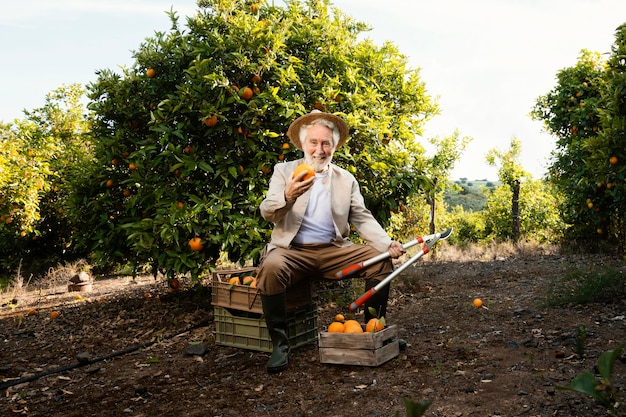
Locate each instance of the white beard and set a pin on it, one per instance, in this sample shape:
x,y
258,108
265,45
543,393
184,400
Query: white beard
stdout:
x,y
319,165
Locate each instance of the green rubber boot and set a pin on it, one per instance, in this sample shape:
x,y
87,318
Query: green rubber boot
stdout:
x,y
275,311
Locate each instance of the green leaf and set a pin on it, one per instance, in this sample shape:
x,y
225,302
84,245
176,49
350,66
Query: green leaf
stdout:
x,y
205,167
584,383
607,361
415,408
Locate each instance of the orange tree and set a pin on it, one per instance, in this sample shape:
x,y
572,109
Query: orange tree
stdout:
x,y
585,114
39,156
610,143
187,137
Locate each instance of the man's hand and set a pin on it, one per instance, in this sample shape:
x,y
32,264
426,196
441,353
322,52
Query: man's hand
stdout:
x,y
396,249
297,186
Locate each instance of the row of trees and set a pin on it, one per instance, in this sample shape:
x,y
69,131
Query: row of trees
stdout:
x,y
169,162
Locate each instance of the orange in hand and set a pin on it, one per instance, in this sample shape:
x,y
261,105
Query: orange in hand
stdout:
x,y
306,168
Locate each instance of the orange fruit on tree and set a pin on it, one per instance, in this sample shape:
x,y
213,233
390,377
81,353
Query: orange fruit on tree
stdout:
x,y
132,166
256,78
306,168
613,160
109,183
126,193
196,244
150,72
246,93
286,145
174,284
336,327
374,325
180,204
211,121
352,326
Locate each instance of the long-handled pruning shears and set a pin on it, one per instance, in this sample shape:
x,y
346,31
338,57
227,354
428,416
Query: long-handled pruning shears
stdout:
x,y
428,241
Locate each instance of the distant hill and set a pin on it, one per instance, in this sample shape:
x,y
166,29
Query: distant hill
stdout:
x,y
468,193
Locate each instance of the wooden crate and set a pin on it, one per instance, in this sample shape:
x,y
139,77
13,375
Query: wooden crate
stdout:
x,y
244,298
364,349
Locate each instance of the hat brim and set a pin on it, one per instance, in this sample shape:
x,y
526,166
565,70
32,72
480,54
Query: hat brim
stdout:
x,y
293,133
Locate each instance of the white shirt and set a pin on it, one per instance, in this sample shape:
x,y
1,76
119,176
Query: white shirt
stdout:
x,y
317,225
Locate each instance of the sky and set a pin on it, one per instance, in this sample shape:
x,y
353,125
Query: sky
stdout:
x,y
485,61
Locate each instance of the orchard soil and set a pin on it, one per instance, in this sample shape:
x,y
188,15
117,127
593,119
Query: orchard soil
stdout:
x,y
123,349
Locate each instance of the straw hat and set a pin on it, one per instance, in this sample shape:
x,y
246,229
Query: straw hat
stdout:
x,y
293,133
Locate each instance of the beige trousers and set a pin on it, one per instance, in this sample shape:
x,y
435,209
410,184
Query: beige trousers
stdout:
x,y
281,268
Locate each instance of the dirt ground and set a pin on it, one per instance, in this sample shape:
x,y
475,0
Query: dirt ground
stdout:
x,y
123,349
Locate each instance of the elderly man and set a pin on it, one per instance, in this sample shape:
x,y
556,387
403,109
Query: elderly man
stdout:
x,y
312,219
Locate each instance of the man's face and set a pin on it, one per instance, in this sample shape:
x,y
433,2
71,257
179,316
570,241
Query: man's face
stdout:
x,y
318,147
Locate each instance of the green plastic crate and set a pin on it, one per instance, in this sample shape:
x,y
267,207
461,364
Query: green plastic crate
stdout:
x,y
247,330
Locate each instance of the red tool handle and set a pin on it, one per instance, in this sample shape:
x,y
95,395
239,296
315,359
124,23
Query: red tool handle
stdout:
x,y
363,299
368,294
350,270
346,272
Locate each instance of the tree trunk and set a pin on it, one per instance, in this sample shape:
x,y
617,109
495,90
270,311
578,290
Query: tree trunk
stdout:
x,y
432,203
515,211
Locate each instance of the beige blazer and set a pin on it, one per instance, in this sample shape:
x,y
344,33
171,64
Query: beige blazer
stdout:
x,y
347,204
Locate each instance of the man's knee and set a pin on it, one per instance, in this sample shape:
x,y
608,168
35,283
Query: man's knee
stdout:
x,y
271,276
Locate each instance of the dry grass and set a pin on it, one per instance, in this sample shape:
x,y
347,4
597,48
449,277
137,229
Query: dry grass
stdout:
x,y
48,283
489,251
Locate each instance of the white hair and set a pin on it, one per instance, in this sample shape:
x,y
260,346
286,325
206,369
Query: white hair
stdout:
x,y
322,122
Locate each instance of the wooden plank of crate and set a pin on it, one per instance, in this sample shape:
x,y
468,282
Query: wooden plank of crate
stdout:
x,y
356,341
360,357
220,274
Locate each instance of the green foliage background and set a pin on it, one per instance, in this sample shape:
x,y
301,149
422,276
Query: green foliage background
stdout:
x,y
175,177
176,146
